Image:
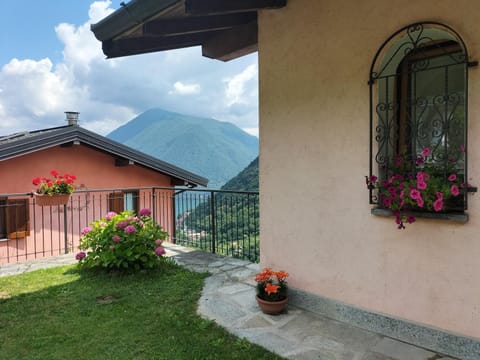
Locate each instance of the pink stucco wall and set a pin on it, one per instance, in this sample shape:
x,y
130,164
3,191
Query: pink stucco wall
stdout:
x,y
94,170
314,60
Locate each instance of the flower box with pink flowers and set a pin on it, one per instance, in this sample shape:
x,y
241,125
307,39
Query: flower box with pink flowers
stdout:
x,y
424,187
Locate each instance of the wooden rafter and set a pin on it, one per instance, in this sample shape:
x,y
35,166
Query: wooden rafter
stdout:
x,y
233,43
176,26
210,7
133,46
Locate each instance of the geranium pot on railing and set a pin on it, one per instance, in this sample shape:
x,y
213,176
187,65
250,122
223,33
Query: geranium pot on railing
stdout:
x,y
272,291
52,192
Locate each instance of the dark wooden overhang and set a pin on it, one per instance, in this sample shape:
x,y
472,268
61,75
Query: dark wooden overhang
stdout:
x,y
225,29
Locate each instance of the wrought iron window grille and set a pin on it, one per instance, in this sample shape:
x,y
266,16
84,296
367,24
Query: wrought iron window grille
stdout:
x,y
418,88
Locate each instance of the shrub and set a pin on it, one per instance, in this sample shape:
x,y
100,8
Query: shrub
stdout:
x,y
122,241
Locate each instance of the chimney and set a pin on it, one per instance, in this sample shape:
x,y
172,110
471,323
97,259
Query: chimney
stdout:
x,y
72,118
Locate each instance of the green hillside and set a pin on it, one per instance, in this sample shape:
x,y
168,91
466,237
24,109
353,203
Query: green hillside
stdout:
x,y
237,218
213,149
246,180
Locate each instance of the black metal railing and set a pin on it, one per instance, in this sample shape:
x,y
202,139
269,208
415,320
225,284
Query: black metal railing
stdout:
x,y
222,222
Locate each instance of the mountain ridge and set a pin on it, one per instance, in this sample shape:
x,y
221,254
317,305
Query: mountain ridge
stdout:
x,y
211,148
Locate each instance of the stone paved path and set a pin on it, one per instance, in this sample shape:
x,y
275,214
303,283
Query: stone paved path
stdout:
x,y
228,298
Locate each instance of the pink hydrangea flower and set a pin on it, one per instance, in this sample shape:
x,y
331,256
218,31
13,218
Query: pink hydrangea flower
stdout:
x,y
130,229
122,224
145,212
159,251
86,230
110,215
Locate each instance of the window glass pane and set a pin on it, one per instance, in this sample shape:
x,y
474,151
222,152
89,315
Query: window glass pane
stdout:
x,y
128,201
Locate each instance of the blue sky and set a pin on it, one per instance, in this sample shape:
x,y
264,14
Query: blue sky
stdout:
x,y
50,62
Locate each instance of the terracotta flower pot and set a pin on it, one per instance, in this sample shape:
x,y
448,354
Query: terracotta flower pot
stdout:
x,y
272,307
51,200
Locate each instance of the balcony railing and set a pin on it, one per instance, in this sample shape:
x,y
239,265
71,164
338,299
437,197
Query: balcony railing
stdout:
x,y
223,222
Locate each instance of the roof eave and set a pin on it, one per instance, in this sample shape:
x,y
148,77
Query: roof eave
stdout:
x,y
130,16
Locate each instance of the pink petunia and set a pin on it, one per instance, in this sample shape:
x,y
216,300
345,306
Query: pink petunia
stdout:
x,y
438,205
81,255
452,177
116,238
439,195
420,201
387,202
454,190
426,152
415,194
410,219
422,185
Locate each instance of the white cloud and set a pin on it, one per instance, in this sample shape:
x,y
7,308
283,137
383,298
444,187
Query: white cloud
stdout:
x,y
236,86
251,131
108,93
180,88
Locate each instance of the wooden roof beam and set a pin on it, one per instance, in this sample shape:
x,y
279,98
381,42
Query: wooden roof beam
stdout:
x,y
233,43
134,46
176,26
211,7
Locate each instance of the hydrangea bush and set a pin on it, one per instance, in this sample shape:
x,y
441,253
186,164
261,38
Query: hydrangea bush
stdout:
x,y
122,241
420,189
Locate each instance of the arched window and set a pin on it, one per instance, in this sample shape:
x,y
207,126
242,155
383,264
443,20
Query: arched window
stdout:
x,y
418,105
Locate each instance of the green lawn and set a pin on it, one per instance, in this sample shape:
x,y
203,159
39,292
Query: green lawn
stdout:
x,y
64,313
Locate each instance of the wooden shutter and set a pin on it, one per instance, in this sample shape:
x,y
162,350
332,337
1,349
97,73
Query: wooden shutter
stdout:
x,y
17,218
115,202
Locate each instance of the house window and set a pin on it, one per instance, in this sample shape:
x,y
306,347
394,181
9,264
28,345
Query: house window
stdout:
x,y
418,100
119,201
14,218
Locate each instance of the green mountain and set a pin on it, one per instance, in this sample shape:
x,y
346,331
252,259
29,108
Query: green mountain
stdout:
x,y
213,149
246,180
